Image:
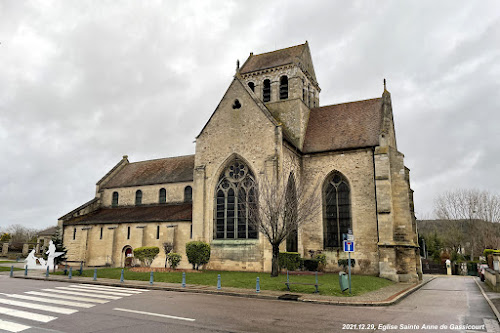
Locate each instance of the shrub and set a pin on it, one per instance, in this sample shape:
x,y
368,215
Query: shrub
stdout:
x,y
311,264
146,254
345,263
174,259
321,257
198,253
489,251
289,260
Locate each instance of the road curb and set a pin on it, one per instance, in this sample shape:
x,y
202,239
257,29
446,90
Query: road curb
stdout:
x,y
490,303
388,302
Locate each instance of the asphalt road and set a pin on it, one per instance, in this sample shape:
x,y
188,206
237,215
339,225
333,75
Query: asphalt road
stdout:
x,y
444,301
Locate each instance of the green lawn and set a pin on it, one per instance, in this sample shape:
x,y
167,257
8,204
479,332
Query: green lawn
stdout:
x,y
6,261
7,269
329,282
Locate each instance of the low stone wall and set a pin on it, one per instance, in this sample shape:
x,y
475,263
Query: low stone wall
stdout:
x,y
492,279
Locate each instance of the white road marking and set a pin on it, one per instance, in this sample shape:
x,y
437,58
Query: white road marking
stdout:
x,y
75,298
12,327
26,315
154,314
35,306
105,292
52,301
88,286
80,293
116,288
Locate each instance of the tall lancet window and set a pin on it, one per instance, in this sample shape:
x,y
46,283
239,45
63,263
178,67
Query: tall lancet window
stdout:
x,y
234,193
337,203
266,90
284,87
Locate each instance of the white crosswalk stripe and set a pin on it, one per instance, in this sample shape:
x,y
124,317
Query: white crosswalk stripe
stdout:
x,y
80,293
68,297
74,296
52,301
126,290
12,327
112,287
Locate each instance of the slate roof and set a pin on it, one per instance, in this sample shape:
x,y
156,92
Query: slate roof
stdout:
x,y
146,213
279,58
48,232
159,171
344,126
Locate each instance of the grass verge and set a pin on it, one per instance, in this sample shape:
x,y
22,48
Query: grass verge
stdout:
x,y
329,283
7,269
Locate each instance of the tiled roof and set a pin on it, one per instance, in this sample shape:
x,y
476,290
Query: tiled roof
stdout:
x,y
344,126
153,213
48,232
160,171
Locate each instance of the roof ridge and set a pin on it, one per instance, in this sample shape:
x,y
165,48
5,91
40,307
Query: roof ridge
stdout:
x,y
162,158
363,100
286,48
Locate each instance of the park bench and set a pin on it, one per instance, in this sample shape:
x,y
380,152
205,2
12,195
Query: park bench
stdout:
x,y
316,284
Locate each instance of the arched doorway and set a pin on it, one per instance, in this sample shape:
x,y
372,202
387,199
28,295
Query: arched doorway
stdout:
x,y
128,256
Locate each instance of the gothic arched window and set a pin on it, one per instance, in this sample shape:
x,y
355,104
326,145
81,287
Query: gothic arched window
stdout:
x,y
337,202
114,201
138,197
163,195
252,86
291,214
266,90
188,194
284,87
235,191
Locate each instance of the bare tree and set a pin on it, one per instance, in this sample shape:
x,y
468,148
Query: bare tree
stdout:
x,y
21,234
281,210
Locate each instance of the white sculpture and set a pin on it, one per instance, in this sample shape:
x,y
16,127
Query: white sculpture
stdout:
x,y
52,254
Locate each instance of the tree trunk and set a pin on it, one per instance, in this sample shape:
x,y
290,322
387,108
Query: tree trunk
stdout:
x,y
275,264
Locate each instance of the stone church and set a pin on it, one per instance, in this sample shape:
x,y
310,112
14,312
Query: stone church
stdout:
x,y
269,123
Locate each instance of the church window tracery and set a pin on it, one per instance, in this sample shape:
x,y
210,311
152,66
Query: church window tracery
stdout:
x,y
284,87
337,211
266,90
235,191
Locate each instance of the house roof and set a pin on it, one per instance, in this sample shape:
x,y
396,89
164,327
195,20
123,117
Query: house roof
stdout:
x,y
48,232
149,213
298,53
159,171
344,126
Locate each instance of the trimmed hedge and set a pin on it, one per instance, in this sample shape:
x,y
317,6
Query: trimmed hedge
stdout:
x,y
311,264
289,260
174,259
146,254
198,253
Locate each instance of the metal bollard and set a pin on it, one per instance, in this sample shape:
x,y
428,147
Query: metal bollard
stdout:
x,y
81,268
121,277
287,278
151,278
218,282
12,271
70,273
65,269
183,279
257,287
47,272
26,270
95,274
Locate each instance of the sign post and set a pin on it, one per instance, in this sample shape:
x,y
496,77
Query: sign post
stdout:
x,y
349,247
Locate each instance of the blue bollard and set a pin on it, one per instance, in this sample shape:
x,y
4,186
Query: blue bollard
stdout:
x,y
121,277
316,277
47,272
65,269
257,287
218,282
95,274
26,270
183,279
287,279
70,273
81,268
12,271
151,278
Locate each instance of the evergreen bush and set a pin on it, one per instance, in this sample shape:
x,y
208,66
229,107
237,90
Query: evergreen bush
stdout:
x,y
146,254
289,260
174,259
198,253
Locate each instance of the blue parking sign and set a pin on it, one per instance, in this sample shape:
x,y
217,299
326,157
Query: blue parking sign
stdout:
x,y
348,246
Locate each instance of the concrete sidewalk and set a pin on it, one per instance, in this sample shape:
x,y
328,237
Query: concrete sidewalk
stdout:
x,y
492,297
382,297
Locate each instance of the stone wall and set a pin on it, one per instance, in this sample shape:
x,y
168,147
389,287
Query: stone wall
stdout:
x,y
150,194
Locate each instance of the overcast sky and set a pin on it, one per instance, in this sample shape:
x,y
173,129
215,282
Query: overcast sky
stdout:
x,y
84,82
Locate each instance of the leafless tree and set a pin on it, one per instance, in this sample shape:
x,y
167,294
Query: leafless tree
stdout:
x,y
167,248
21,233
282,209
